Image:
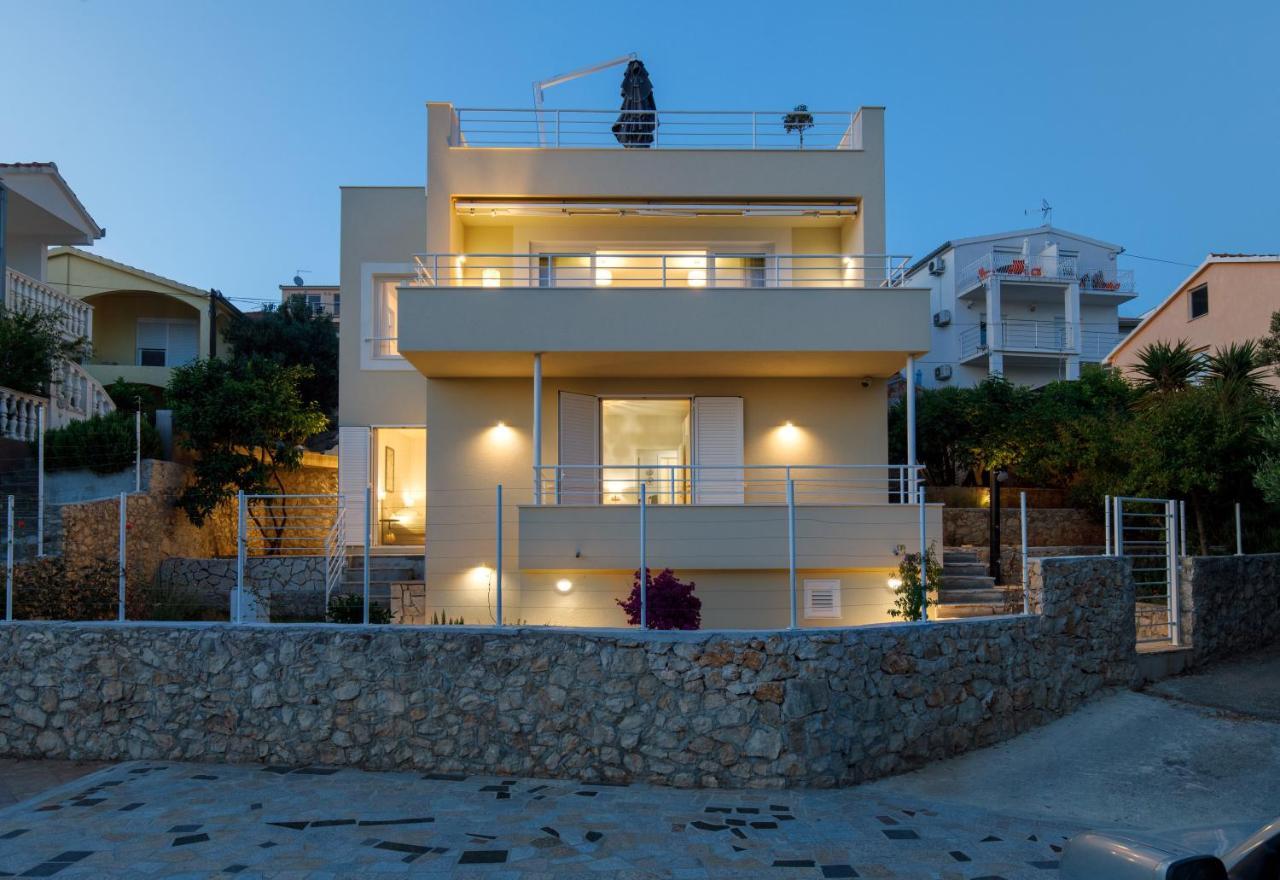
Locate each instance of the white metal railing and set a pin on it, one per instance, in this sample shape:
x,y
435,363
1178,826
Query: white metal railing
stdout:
x,y
335,555
307,528
19,415
658,129
726,484
1015,267
1097,344
1051,337
24,293
659,270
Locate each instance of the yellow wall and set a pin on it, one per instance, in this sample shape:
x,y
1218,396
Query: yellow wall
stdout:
x,y
836,422
115,322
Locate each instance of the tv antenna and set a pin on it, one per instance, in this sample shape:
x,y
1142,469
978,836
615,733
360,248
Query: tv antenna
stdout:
x,y
1046,213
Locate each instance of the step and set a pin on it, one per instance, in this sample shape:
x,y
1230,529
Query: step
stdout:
x,y
966,582
993,596
959,557
951,612
964,569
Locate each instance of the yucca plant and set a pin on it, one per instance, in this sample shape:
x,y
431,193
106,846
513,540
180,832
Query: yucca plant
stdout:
x,y
1167,366
1237,369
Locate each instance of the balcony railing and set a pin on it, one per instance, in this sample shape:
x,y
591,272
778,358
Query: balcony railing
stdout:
x,y
718,484
658,129
1039,337
23,293
1096,345
19,419
1044,268
660,270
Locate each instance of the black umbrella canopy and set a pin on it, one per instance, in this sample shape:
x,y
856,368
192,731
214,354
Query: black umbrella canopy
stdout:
x,y
639,118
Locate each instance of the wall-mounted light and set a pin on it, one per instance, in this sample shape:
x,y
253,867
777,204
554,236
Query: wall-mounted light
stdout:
x,y
480,576
603,277
697,277
491,278
564,585
895,582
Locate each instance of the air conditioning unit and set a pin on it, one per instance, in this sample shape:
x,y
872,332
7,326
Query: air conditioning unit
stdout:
x,y
942,318
937,266
942,372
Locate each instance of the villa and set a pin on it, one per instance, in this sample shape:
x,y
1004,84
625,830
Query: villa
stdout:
x,y
663,333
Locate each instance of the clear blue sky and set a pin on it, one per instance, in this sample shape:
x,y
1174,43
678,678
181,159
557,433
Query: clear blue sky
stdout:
x,y
210,138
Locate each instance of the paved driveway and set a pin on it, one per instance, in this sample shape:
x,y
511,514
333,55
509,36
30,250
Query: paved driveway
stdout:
x,y
1157,759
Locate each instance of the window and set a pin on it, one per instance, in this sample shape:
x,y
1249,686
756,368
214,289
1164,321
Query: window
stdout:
x,y
386,311
645,442
1199,301
821,598
337,304
167,342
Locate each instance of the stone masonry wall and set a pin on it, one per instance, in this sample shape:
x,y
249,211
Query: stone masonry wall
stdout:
x,y
293,584
1046,527
813,708
1229,604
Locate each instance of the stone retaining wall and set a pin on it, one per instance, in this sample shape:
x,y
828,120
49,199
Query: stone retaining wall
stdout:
x,y
1229,604
1046,527
294,585
812,708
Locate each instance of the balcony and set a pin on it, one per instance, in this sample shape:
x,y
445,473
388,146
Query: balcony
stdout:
x,y
1096,345
1043,270
658,129
672,314
1021,337
24,293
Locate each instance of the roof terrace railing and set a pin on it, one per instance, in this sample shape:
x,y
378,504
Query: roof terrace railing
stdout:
x,y
659,270
659,129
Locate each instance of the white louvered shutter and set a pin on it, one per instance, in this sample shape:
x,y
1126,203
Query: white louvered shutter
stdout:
x,y
579,429
184,343
717,450
152,336
353,477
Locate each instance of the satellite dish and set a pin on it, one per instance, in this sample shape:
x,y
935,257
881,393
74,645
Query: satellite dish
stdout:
x,y
297,280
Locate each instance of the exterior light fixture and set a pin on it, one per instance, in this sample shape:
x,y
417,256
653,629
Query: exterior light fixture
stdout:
x,y
564,585
895,582
491,278
697,277
603,277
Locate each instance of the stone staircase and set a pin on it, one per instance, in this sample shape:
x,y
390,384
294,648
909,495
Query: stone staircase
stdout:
x,y
383,572
966,590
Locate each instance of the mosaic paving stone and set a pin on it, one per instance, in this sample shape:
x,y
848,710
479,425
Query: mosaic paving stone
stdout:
x,y
152,820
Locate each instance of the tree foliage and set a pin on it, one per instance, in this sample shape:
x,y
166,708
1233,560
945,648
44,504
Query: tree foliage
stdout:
x,y
32,348
908,597
671,603
293,335
246,420
103,444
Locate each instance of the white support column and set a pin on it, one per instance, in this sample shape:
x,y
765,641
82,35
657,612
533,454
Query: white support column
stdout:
x,y
537,428
924,559
42,423
911,417
644,565
497,561
121,554
995,328
1071,311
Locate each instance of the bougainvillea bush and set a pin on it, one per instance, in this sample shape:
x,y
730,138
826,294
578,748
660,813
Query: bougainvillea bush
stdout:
x,y
671,603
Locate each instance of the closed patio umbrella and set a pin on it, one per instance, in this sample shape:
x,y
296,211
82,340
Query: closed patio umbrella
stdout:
x,y
639,118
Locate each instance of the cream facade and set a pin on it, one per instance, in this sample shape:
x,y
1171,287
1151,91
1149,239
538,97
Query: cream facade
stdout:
x,y
595,327
1228,298
144,324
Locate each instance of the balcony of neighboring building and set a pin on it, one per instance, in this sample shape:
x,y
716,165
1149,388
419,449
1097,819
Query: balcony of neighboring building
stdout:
x,y
688,312
1023,273
1030,342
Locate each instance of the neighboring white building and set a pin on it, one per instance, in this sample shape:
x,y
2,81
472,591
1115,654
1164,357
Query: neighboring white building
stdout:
x,y
1056,294
324,299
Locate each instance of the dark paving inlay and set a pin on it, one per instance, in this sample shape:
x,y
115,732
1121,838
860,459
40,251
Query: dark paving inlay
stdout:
x,y
593,836
783,818
72,855
129,808
959,856
764,825
48,808
707,826
277,769
45,869
748,810
718,810
270,843
793,863
887,820
1033,838
838,871
586,793
329,823
204,776
296,826
420,820
483,857
12,834
1048,865
255,806
183,829
234,869
778,808
402,847
445,777
900,834
547,828
739,833
481,836
190,839
990,838
316,771
736,823
88,802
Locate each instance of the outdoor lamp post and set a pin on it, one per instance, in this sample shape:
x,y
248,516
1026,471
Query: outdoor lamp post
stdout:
x,y
997,476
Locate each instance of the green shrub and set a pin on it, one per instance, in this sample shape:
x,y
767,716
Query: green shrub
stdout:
x,y
907,594
349,608
443,619
102,444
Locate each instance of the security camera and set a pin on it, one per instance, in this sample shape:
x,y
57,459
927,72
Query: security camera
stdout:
x,y
866,382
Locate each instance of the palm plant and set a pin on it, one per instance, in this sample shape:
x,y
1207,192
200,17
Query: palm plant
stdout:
x,y
1237,369
1167,366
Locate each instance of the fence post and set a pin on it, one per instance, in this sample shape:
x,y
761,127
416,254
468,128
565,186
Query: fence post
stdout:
x,y
8,561
497,563
40,424
1026,583
1182,528
1171,548
924,561
1239,533
1117,516
238,605
137,448
368,539
644,567
124,526
1106,514
791,544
